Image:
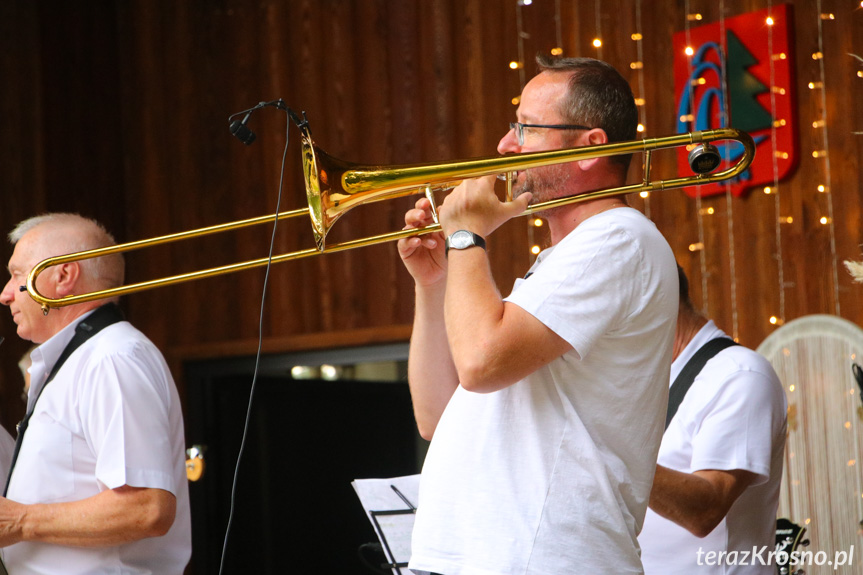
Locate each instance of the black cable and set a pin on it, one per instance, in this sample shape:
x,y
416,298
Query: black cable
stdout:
x,y
279,104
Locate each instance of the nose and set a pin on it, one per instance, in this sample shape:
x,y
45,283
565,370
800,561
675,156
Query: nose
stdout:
x,y
7,296
509,143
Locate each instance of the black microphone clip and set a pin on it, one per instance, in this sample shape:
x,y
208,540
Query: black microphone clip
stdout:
x,y
246,135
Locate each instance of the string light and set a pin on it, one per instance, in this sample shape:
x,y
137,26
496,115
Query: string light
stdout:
x,y
638,38
699,245
521,35
597,41
558,31
780,268
729,204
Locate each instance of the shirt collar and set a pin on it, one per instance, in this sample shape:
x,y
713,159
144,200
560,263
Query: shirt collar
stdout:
x,y
46,355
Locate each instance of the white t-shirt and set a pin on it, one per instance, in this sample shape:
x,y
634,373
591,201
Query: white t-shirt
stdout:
x,y
110,417
733,417
551,475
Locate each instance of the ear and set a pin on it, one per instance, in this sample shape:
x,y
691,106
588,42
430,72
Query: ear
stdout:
x,y
595,137
66,277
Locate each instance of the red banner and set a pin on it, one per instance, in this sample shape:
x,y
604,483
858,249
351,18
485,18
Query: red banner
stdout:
x,y
739,74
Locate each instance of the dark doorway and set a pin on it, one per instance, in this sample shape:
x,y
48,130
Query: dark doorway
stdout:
x,y
295,510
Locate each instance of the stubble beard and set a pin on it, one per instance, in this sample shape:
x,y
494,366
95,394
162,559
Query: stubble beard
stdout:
x,y
545,183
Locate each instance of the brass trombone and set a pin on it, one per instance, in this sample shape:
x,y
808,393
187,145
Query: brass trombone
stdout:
x,y
335,186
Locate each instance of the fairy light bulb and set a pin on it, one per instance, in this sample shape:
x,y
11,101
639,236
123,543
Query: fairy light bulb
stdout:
x,y
597,43
689,51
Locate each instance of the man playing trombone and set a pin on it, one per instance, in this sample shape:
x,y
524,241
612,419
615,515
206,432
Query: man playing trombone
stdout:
x,y
544,408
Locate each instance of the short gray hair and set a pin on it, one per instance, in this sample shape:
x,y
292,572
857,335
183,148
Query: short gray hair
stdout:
x,y
87,234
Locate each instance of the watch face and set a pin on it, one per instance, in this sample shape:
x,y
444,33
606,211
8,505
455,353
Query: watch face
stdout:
x,y
461,239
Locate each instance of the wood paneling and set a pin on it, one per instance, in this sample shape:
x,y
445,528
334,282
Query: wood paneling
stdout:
x,y
118,110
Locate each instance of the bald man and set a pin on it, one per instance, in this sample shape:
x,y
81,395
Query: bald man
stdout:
x,y
99,484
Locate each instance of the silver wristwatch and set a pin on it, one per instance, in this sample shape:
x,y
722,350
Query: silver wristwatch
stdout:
x,y
463,239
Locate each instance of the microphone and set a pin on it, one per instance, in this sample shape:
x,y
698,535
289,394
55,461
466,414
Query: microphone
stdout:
x,y
241,131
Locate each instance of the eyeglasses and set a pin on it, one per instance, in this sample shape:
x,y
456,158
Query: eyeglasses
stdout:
x,y
519,128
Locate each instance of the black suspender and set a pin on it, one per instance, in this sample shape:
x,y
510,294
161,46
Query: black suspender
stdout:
x,y
87,328
690,371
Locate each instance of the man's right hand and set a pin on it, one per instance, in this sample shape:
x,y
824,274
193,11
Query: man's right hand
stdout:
x,y
423,256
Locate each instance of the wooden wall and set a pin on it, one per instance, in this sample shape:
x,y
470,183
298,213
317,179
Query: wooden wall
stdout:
x,y
119,110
